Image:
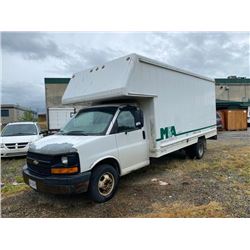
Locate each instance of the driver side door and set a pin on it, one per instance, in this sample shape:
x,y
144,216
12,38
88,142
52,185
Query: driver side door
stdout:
x,y
131,141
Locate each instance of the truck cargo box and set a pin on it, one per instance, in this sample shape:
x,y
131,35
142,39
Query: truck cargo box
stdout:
x,y
178,105
58,117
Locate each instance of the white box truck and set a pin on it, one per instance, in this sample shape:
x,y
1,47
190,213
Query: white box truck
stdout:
x,y
141,108
58,117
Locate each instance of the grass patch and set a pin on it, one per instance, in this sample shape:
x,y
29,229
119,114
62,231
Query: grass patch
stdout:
x,y
10,189
19,179
11,172
186,210
11,168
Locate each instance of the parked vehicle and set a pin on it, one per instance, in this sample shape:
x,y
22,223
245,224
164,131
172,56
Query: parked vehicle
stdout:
x,y
219,121
16,138
58,117
141,109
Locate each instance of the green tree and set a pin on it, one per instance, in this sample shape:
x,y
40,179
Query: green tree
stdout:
x,y
28,116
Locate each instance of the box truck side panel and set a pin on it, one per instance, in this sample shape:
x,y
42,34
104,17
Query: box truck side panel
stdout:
x,y
147,106
183,106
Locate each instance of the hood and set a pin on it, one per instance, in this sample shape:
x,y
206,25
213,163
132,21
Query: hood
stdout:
x,y
17,139
60,144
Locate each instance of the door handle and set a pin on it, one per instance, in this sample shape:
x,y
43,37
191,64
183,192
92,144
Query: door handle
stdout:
x,y
143,135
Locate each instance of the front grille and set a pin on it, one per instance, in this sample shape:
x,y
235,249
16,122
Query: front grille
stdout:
x,y
40,164
16,145
22,144
11,145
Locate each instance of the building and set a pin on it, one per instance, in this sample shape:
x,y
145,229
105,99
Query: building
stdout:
x,y
233,97
233,88
14,113
54,90
56,112
42,121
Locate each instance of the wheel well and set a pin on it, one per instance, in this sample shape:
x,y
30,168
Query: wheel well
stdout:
x,y
203,138
110,161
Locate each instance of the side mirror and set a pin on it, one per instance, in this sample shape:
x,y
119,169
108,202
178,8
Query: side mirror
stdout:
x,y
44,133
139,122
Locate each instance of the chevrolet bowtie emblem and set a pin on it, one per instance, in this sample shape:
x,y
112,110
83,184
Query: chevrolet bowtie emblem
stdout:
x,y
35,162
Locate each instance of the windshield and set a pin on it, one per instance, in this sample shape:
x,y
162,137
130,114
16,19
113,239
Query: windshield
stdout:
x,y
92,121
19,130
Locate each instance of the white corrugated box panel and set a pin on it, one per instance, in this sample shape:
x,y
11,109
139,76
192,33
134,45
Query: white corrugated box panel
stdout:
x,y
58,117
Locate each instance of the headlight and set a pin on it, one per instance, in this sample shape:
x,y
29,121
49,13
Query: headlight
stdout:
x,y
64,160
66,164
2,145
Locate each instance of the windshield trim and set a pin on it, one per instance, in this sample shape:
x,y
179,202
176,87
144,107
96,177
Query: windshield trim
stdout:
x,y
111,125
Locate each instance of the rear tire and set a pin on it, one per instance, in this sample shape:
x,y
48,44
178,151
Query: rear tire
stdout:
x,y
103,183
197,150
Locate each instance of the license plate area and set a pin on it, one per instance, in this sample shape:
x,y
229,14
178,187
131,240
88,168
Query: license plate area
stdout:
x,y
32,184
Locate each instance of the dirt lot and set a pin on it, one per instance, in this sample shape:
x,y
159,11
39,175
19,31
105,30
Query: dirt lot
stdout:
x,y
173,186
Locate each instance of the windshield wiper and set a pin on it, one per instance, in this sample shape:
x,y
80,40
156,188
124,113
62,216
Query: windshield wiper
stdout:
x,y
17,134
73,132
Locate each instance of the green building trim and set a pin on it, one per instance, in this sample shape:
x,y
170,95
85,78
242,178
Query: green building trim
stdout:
x,y
232,81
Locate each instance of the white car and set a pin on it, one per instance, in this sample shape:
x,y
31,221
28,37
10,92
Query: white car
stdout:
x,y
16,138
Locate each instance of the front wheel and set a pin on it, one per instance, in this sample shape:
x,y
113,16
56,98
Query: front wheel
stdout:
x,y
103,183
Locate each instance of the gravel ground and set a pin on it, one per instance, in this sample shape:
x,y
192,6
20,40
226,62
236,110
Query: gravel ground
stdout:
x,y
172,186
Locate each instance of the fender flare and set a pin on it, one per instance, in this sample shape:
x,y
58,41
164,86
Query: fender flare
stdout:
x,y
106,158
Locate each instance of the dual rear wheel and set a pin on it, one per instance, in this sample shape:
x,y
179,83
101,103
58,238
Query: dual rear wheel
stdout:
x,y
197,150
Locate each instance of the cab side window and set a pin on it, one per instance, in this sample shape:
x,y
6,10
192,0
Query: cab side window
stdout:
x,y
126,121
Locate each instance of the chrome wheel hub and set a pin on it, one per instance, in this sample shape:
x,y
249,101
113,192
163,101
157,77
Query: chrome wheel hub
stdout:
x,y
106,184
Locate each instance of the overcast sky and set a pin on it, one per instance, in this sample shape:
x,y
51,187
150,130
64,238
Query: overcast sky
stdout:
x,y
27,58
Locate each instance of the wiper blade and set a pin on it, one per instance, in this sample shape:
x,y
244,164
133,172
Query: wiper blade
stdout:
x,y
74,132
19,134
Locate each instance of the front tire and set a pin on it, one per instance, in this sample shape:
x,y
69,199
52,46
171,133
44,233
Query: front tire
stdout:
x,y
103,183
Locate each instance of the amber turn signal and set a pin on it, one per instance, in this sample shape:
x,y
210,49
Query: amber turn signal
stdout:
x,y
70,170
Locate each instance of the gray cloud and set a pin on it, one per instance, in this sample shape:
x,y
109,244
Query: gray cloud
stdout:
x,y
22,93
31,45
88,57
213,54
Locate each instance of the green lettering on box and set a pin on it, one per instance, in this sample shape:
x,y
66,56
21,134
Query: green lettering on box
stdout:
x,y
167,132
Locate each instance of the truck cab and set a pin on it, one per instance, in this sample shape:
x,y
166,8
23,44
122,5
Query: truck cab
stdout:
x,y
97,146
